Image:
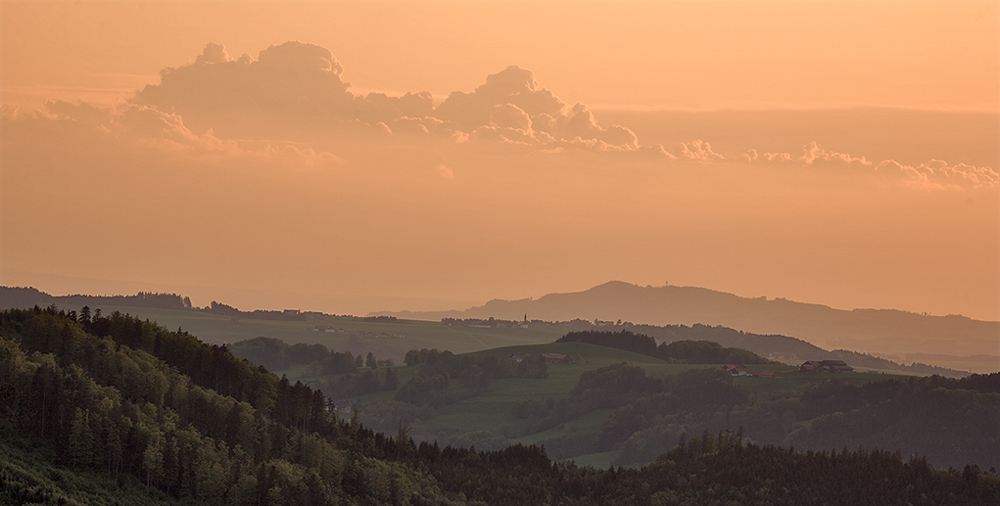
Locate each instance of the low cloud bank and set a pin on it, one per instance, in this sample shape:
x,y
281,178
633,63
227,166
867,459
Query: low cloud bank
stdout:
x,y
930,175
131,130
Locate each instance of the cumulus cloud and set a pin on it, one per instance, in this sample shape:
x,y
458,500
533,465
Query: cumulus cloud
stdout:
x,y
750,156
294,84
813,154
700,151
777,157
130,123
510,116
511,108
513,85
938,174
379,107
213,53
296,89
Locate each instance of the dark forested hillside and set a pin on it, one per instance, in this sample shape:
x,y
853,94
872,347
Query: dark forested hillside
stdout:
x,y
114,403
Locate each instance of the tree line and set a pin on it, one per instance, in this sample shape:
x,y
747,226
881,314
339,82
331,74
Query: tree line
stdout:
x,y
678,352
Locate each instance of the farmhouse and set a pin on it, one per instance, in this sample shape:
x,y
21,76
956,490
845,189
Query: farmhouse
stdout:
x,y
736,369
836,366
811,366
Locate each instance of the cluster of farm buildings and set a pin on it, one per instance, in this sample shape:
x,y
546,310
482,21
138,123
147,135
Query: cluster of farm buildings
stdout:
x,y
550,358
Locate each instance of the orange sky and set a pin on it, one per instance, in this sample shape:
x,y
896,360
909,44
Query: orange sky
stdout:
x,y
833,152
713,54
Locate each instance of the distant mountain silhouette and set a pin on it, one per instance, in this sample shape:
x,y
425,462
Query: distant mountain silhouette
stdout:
x,y
871,330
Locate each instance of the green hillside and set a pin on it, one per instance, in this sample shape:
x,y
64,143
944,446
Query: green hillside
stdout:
x,y
143,415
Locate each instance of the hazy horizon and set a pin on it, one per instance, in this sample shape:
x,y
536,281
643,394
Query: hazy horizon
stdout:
x,y
342,157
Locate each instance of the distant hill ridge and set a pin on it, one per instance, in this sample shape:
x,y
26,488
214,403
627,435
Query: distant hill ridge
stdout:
x,y
871,330
26,297
771,344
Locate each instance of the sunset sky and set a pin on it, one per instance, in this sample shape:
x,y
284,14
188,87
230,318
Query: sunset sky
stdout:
x,y
358,156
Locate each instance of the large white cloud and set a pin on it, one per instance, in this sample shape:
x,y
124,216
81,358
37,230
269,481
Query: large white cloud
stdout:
x,y
296,89
293,85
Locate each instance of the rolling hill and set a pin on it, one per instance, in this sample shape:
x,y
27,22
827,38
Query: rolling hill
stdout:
x,y
389,337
